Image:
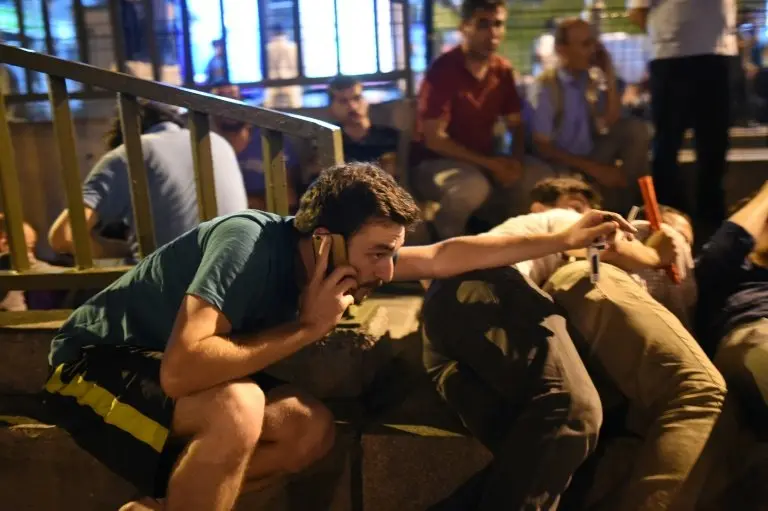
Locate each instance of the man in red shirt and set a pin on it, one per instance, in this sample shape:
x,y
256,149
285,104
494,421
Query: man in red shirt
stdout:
x,y
464,94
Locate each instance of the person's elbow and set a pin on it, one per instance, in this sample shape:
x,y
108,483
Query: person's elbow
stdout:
x,y
60,238
174,367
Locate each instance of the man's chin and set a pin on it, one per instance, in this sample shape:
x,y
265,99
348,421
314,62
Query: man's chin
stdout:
x,y
362,292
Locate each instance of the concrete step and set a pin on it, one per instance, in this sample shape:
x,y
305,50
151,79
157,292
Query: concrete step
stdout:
x,y
42,469
741,137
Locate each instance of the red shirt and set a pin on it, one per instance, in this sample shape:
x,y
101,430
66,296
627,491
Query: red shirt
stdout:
x,y
472,106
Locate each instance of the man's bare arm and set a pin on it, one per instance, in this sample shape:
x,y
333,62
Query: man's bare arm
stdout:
x,y
61,239
436,138
201,354
754,216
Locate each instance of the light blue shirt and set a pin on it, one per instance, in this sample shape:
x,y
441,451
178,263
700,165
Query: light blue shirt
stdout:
x,y
575,130
172,190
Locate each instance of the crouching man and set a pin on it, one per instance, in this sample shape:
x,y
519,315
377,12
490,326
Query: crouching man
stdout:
x,y
503,358
160,375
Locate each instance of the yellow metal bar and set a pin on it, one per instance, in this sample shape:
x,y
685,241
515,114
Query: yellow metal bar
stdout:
x,y
65,139
330,149
95,278
11,196
142,210
274,171
200,133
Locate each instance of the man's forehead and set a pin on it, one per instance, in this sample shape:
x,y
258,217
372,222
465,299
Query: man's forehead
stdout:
x,y
383,234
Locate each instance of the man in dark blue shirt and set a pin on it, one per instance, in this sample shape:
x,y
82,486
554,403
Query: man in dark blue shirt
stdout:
x,y
732,313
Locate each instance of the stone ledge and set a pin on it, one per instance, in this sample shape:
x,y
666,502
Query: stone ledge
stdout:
x,y
42,468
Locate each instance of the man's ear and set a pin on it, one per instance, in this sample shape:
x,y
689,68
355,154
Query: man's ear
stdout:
x,y
538,207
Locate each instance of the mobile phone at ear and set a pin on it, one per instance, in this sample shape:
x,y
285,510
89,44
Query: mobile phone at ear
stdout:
x,y
338,255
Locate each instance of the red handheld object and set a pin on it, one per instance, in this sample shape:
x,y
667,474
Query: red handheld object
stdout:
x,y
653,214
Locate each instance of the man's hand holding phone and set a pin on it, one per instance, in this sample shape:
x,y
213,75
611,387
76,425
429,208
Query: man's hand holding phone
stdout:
x,y
326,297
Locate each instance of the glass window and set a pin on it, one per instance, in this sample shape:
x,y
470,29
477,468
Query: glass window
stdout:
x,y
318,37
243,55
204,28
385,42
356,36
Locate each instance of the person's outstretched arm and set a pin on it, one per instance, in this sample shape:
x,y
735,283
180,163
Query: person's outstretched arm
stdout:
x,y
732,243
467,253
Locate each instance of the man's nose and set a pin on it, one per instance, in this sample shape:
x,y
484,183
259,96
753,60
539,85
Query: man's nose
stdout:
x,y
386,272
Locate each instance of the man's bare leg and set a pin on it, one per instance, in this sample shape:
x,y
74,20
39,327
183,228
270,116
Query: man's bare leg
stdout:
x,y
224,425
297,430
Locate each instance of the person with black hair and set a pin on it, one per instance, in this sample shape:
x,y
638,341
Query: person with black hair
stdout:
x,y
732,312
507,361
363,140
162,374
167,151
465,92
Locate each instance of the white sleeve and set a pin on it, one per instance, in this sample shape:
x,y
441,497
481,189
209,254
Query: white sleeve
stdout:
x,y
561,219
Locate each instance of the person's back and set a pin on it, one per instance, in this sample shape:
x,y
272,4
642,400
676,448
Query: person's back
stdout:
x,y
169,163
139,308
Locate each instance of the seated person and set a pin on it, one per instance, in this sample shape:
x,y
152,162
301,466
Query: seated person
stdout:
x,y
501,355
363,141
464,94
167,151
246,142
732,312
577,128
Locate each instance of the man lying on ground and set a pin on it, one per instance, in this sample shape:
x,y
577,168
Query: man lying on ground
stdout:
x,y
166,364
501,355
732,311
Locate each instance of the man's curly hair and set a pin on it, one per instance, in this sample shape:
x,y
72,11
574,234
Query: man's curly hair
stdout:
x,y
345,197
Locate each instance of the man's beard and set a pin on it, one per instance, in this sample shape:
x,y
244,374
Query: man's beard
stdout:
x,y
363,290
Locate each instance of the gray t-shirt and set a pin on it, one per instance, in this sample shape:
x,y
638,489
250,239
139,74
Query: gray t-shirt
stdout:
x,y
167,153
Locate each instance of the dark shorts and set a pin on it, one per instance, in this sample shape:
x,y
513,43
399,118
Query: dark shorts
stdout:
x,y
111,403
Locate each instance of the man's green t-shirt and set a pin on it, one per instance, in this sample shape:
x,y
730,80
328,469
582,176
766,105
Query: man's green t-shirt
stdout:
x,y
244,264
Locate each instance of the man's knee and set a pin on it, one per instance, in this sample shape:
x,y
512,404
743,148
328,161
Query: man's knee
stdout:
x,y
587,412
308,428
232,413
469,187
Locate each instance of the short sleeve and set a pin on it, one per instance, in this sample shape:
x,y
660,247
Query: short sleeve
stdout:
x,y
543,111
235,261
106,189
435,94
511,103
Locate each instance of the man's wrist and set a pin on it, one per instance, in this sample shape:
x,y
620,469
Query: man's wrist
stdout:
x,y
562,242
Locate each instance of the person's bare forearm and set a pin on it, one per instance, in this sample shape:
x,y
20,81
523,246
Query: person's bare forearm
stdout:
x,y
217,359
447,147
753,217
632,256
491,252
553,154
